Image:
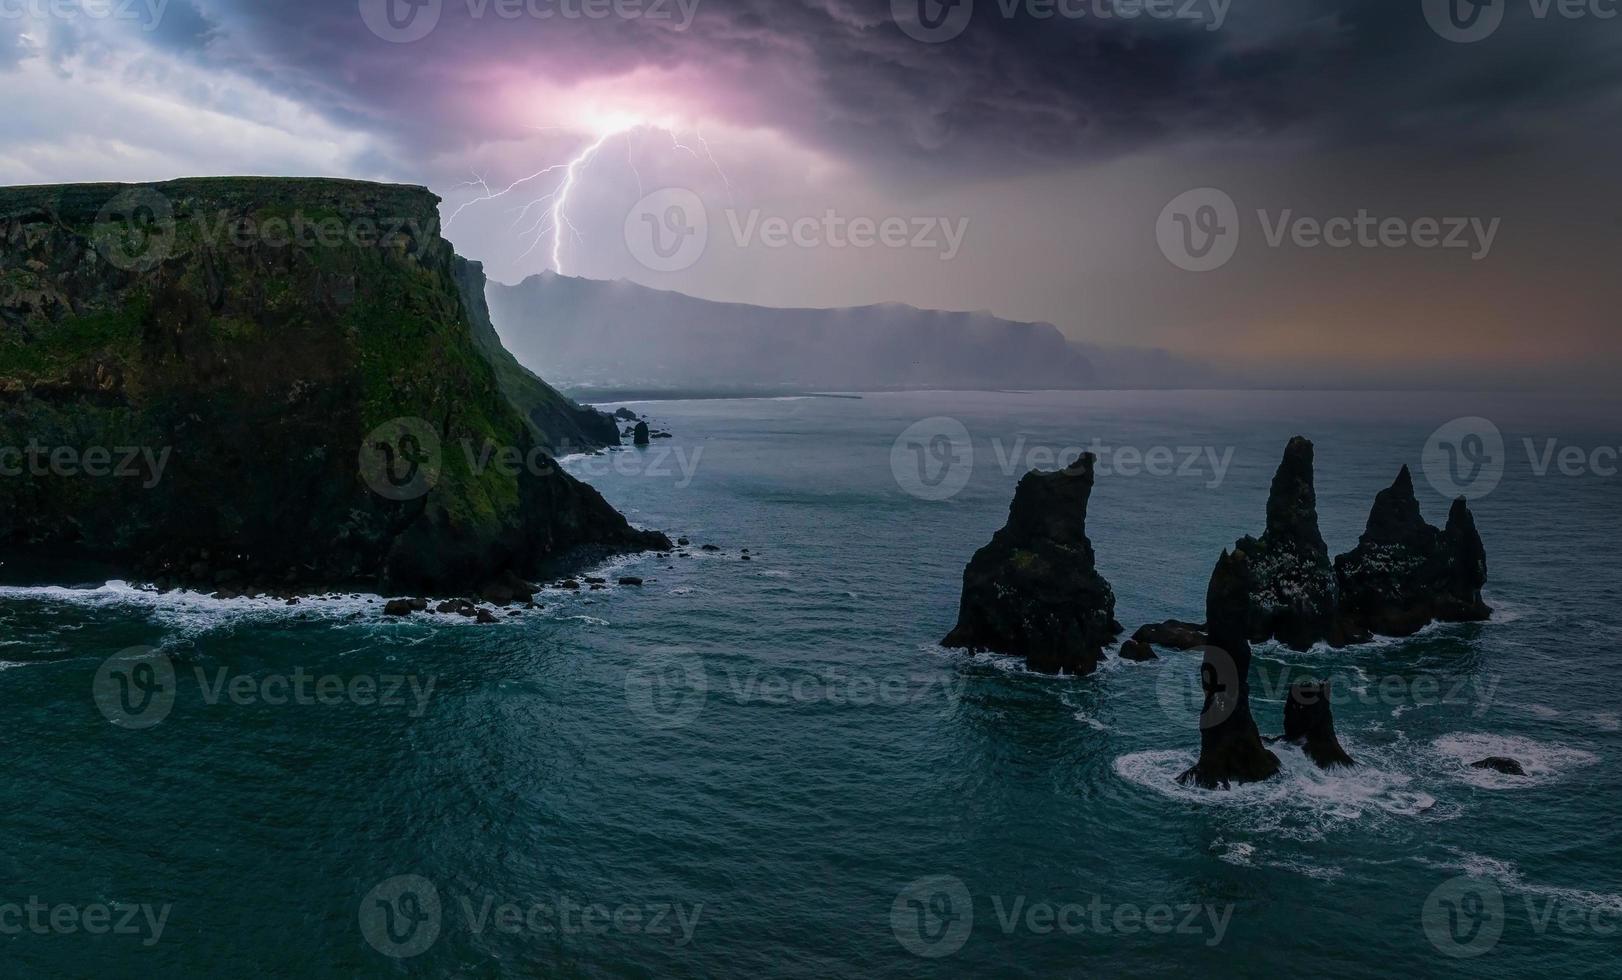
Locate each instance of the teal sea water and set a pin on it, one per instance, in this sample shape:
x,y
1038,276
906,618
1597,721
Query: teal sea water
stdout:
x,y
768,767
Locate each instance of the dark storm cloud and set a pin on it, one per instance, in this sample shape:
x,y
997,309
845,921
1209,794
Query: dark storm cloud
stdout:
x,y
1010,94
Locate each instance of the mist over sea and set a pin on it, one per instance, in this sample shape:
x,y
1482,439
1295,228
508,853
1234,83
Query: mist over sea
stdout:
x,y
766,767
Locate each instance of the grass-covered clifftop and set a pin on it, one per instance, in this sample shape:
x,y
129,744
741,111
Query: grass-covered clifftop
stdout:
x,y
259,342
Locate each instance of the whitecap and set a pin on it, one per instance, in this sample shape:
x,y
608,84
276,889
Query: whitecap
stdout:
x,y
1544,762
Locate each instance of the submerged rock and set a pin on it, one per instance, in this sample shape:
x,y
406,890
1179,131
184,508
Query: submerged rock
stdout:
x,y
1173,634
1309,722
1137,651
1405,574
1292,584
1231,749
1508,767
1033,591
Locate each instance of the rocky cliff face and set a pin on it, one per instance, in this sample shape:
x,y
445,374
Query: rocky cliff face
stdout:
x,y
1405,574
1033,591
296,367
1292,583
563,426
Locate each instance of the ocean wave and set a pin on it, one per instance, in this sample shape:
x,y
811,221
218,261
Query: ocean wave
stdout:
x,y
1509,876
1544,762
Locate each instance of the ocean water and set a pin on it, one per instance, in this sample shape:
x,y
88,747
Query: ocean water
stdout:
x,y
768,767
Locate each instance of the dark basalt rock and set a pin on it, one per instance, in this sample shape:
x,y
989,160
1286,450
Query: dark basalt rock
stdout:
x,y
1231,749
1138,652
1292,594
1033,591
630,580
625,415
1508,767
1309,722
1173,634
640,434
281,383
1405,574
399,607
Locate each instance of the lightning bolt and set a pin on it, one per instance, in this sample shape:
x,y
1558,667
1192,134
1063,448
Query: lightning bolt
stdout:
x,y
554,206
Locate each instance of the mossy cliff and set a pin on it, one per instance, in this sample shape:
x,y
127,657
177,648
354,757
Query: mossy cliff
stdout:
x,y
260,341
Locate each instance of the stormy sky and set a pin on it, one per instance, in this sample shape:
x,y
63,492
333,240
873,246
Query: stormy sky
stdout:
x,y
1398,191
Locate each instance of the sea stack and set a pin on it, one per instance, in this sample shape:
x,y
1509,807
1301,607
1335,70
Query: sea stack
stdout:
x,y
1309,722
1405,574
1292,583
1033,591
641,435
1231,749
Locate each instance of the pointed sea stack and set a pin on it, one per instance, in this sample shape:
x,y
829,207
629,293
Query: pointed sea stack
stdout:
x,y
1231,749
640,436
1292,594
1309,722
1405,574
1033,591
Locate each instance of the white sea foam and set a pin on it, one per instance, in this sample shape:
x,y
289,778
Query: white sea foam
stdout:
x,y
1544,762
1303,802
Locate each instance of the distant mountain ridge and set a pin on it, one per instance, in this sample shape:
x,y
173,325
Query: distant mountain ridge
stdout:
x,y
588,334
